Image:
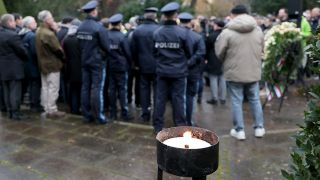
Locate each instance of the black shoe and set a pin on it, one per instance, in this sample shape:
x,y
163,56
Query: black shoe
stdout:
x,y
212,101
222,102
113,117
127,118
36,109
145,119
199,100
88,119
103,122
18,116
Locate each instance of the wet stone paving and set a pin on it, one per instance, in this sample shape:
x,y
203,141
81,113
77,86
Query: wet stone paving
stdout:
x,y
68,149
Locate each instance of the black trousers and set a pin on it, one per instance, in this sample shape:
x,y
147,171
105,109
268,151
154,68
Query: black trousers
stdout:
x,y
2,104
12,94
148,83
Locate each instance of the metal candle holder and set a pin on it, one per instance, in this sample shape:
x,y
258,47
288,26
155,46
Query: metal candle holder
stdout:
x,y
195,163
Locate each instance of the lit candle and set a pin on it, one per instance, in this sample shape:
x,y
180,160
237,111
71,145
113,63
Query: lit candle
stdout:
x,y
186,142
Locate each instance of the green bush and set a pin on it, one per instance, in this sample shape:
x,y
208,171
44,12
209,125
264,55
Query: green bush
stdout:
x,y
2,8
306,155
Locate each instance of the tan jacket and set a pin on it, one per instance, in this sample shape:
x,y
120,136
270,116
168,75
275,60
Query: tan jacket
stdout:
x,y
240,47
49,51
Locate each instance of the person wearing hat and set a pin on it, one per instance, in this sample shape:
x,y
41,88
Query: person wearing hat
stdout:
x,y
94,46
239,47
119,64
172,48
142,48
194,69
214,66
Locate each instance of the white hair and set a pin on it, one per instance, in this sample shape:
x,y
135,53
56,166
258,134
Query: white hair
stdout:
x,y
27,20
5,19
43,15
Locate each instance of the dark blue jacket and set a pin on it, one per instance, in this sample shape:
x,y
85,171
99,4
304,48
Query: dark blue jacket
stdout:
x,y
120,56
93,42
198,53
142,47
31,65
172,49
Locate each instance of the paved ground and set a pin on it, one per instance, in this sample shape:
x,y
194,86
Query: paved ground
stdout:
x,y
67,149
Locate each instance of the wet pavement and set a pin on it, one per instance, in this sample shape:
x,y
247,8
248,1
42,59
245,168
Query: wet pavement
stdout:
x,y
67,149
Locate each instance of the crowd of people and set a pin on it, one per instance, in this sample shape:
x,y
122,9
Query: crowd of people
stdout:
x,y
91,64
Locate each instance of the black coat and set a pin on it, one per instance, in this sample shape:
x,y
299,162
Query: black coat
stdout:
x,y
73,59
142,47
12,55
214,65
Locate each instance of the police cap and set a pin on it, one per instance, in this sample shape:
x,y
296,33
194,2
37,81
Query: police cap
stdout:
x,y
115,19
151,10
185,16
170,7
91,5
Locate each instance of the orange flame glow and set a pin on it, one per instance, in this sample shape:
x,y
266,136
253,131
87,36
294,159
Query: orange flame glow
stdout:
x,y
187,134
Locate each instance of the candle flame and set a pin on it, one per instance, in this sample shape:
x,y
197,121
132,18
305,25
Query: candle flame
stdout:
x,y
187,134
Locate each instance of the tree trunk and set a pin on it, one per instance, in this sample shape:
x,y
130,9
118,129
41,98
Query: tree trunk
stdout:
x,y
193,3
2,8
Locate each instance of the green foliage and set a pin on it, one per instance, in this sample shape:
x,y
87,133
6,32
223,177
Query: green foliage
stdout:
x,y
58,8
267,6
2,8
134,7
306,155
271,6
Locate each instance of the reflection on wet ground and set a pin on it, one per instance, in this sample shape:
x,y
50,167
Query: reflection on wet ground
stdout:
x,y
68,149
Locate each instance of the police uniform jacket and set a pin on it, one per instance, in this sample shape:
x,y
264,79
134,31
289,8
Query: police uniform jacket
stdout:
x,y
142,46
120,55
198,52
49,51
93,42
172,48
12,55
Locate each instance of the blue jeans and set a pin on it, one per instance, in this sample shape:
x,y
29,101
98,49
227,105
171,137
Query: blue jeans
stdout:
x,y
218,87
237,91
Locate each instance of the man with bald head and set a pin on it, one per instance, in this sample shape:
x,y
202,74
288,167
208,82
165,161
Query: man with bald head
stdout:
x,y
12,55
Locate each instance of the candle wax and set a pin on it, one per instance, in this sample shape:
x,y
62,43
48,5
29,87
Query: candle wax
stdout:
x,y
181,142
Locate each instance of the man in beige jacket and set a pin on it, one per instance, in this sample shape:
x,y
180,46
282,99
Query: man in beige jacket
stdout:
x,y
240,47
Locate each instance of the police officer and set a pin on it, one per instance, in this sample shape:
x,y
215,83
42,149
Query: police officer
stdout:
x,y
198,53
142,48
119,63
94,46
172,49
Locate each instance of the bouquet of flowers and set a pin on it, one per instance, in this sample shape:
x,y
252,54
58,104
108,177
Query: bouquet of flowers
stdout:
x,y
283,53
